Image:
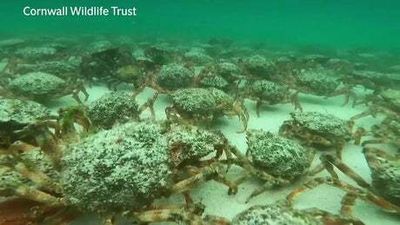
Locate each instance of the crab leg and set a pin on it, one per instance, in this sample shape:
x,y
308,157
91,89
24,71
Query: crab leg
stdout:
x,y
38,196
20,211
348,200
306,186
365,195
329,219
63,216
138,90
210,172
75,96
371,153
358,134
329,159
258,191
372,111
215,220
347,92
191,215
258,106
31,173
149,104
83,90
46,140
37,177
324,165
294,98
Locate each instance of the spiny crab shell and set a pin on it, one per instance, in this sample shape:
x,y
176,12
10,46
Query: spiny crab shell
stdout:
x,y
385,173
317,81
258,65
278,156
329,129
106,111
274,214
266,90
37,85
34,158
174,76
388,131
194,101
124,168
279,213
16,114
21,112
189,144
201,104
130,165
35,53
221,97
229,71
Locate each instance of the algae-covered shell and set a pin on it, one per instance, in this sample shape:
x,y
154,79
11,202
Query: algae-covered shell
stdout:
x,y
198,55
273,215
386,178
194,100
37,159
106,111
9,181
19,113
60,68
322,123
258,65
221,97
37,85
36,52
124,168
228,70
277,155
214,82
173,76
190,143
320,82
267,90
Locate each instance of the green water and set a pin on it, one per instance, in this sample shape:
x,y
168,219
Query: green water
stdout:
x,y
339,23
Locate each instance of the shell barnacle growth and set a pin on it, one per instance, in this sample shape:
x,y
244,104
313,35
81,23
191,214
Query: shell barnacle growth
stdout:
x,y
41,87
273,159
129,167
205,105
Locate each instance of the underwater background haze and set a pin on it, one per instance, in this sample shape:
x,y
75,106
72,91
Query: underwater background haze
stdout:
x,y
340,23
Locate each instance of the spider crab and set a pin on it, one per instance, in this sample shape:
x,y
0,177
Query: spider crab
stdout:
x,y
129,167
276,160
269,92
320,82
41,87
321,130
205,105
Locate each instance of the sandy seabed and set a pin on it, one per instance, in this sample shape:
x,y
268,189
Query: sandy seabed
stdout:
x,y
214,195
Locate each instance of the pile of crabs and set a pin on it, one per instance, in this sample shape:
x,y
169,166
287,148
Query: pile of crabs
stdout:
x,y
105,158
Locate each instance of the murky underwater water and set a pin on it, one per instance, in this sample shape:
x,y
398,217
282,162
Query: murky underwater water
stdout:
x,y
162,117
